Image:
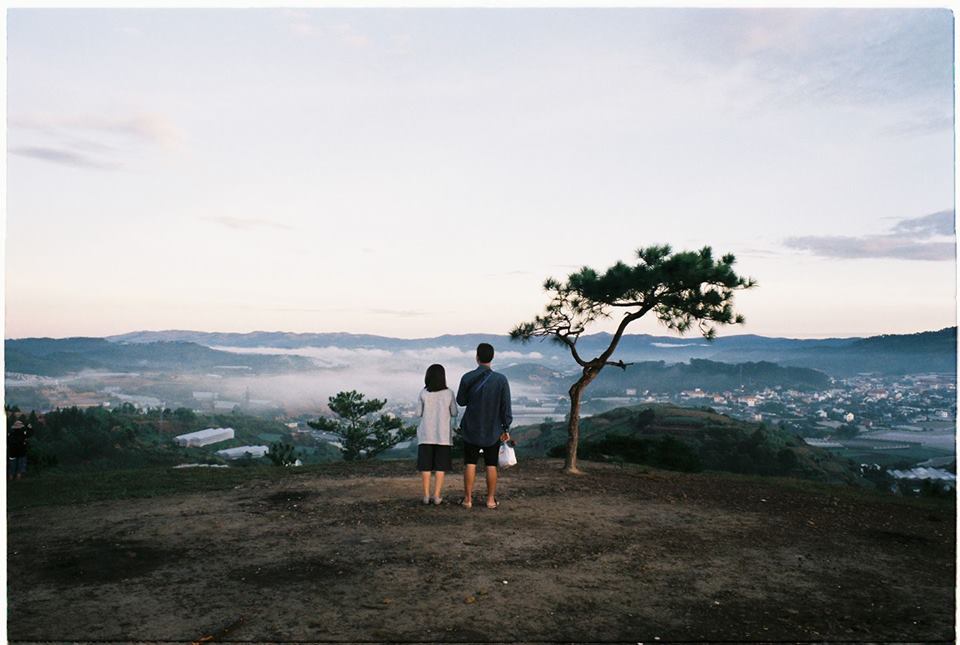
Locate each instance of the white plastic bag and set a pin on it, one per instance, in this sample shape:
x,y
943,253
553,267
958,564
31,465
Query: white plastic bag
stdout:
x,y
508,456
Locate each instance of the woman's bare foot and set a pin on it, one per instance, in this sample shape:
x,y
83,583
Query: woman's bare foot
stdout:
x,y
466,502
492,503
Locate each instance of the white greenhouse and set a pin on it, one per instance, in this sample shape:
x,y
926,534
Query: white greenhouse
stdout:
x,y
239,452
204,437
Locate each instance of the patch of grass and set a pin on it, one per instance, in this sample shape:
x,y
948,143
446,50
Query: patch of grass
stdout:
x,y
837,490
54,489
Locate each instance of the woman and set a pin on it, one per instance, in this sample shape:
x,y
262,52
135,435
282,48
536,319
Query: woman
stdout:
x,y
437,408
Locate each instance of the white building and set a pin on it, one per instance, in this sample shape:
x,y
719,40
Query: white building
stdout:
x,y
204,437
937,474
822,443
239,452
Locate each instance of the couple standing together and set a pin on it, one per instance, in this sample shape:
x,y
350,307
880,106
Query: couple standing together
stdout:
x,y
486,423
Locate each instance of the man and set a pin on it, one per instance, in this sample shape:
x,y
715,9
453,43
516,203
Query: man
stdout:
x,y
16,451
486,395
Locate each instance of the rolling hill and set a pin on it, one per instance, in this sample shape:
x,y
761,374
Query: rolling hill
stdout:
x,y
688,439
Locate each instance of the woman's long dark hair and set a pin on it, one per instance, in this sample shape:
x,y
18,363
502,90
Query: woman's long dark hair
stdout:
x,y
436,378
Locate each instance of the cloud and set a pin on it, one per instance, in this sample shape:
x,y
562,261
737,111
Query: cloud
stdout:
x,y
145,127
876,246
939,223
402,313
298,22
247,224
350,36
90,141
756,253
852,56
310,310
301,24
671,345
368,311
930,124
909,239
61,156
508,274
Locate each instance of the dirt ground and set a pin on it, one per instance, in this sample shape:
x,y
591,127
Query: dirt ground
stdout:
x,y
616,555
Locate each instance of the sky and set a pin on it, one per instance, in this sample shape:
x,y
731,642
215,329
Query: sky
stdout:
x,y
417,172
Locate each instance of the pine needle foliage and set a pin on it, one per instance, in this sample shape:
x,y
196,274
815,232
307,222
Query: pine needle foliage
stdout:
x,y
683,290
362,434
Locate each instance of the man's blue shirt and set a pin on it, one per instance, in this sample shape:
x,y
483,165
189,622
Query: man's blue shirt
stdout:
x,y
486,395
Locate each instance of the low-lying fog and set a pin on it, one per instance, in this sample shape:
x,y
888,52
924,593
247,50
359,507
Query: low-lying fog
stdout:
x,y
394,375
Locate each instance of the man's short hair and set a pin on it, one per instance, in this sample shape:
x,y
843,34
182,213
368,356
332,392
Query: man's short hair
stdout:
x,y
484,352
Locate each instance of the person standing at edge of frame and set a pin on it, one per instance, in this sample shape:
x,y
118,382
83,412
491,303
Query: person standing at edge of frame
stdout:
x,y
486,422
17,451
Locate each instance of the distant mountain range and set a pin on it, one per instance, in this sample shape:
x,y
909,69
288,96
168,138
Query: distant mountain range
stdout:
x,y
932,351
60,356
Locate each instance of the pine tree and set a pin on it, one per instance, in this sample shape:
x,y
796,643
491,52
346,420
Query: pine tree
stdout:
x,y
682,289
361,435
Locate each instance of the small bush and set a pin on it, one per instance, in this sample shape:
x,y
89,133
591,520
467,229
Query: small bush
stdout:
x,y
281,454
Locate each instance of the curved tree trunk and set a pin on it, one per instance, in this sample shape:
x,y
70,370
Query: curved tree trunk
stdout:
x,y
590,371
573,423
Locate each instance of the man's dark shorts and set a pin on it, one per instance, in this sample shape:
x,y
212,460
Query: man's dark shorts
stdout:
x,y
16,466
491,454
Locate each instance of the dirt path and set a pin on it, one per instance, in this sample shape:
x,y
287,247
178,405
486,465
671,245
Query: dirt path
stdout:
x,y
617,555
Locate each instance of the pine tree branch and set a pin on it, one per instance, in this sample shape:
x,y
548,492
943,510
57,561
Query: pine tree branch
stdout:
x,y
572,344
629,318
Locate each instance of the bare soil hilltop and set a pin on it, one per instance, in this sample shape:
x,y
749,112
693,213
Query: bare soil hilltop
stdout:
x,y
345,552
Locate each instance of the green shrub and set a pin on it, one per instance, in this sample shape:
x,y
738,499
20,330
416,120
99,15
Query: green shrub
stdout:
x,y
281,454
